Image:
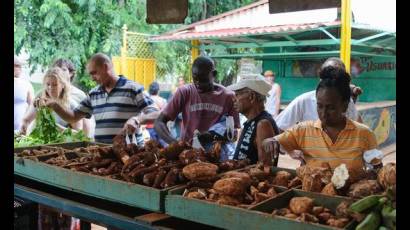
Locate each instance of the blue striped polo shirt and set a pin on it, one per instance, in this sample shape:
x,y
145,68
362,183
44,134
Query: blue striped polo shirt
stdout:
x,y
112,110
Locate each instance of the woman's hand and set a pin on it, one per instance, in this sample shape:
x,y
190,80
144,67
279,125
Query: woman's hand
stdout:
x,y
271,146
44,102
24,127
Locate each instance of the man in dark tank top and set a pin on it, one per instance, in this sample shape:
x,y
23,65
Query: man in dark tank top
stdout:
x,y
250,96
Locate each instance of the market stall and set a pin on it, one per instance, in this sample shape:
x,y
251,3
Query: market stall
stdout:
x,y
228,195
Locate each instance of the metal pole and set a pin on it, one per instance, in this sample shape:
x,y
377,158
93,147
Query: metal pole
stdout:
x,y
194,55
346,33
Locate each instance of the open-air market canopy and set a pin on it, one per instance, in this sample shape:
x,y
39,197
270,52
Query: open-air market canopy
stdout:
x,y
250,31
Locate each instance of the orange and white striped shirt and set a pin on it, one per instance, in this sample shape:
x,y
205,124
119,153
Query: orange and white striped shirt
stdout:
x,y
317,147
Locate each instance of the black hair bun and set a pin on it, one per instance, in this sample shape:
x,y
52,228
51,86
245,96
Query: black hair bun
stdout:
x,y
334,73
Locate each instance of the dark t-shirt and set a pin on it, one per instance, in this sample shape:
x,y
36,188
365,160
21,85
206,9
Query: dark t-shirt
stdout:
x,y
246,147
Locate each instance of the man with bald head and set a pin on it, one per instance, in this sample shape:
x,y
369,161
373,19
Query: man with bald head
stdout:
x,y
202,103
304,108
116,103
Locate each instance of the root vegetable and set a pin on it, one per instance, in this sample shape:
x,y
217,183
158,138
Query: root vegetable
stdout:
x,y
200,171
324,217
142,171
312,183
271,192
171,178
299,205
200,184
282,178
228,200
294,182
102,164
281,212
241,175
329,190
253,190
159,178
364,188
387,175
339,223
230,186
196,195
342,210
258,173
259,197
149,178
306,217
263,186
340,176
317,210
172,151
291,216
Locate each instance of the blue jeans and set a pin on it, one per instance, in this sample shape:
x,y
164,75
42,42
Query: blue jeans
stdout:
x,y
154,136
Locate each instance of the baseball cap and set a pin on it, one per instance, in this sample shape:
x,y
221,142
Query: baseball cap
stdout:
x,y
255,82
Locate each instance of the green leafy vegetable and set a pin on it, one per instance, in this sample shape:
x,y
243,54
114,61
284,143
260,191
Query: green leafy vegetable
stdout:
x,y
47,132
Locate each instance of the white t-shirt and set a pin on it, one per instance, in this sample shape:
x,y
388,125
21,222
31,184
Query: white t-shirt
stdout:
x,y
304,108
270,104
22,88
77,94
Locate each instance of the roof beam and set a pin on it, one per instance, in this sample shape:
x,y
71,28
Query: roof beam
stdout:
x,y
279,55
329,34
290,38
371,54
256,41
319,42
219,43
373,37
384,40
317,54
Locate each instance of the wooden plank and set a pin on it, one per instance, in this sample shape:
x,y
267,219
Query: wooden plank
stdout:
x,y
152,217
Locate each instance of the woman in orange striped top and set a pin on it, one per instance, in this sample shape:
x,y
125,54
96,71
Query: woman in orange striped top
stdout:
x,y
333,138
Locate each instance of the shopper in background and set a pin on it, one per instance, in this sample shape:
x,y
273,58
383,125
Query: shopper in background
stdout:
x,y
23,95
76,94
272,104
159,103
57,88
304,107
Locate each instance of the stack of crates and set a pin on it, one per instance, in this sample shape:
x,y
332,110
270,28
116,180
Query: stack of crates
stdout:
x,y
25,214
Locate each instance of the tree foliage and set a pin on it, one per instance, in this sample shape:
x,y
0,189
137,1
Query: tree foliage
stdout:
x,y
76,29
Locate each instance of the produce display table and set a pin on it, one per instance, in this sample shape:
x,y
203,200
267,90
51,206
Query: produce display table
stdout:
x,y
95,210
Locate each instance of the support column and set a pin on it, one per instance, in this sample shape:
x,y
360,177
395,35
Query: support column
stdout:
x,y
194,55
124,51
346,33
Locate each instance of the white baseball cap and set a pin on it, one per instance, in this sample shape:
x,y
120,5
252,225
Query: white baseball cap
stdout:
x,y
255,82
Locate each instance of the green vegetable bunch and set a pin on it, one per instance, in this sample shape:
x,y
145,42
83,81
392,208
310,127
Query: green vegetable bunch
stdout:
x,y
47,132
379,211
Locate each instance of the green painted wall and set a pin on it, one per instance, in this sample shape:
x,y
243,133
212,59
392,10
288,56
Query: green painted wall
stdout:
x,y
375,75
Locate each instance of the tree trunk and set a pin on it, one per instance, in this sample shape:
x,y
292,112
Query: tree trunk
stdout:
x,y
204,11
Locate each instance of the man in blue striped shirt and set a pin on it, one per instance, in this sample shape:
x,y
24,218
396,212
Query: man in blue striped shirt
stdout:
x,y
116,103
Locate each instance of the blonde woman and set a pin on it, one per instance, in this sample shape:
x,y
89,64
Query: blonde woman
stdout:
x,y
56,86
